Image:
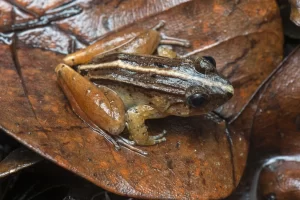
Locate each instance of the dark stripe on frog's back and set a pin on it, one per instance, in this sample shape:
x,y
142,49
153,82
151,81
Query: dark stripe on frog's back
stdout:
x,y
182,65
186,65
145,60
141,80
147,80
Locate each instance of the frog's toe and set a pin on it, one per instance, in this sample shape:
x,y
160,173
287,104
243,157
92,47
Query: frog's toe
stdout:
x,y
159,136
130,145
129,142
156,141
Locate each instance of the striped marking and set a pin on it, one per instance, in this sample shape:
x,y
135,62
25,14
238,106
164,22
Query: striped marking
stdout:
x,y
158,71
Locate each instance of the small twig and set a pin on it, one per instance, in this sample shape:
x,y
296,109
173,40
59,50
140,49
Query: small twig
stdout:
x,y
42,21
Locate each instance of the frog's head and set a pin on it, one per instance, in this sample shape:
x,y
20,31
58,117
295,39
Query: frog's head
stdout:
x,y
210,91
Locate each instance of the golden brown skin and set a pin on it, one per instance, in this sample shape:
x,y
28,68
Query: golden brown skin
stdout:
x,y
98,106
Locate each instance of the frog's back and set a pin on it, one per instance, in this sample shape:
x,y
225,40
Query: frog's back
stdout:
x,y
141,71
138,79
167,78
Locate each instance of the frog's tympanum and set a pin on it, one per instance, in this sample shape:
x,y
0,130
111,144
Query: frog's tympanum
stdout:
x,y
116,84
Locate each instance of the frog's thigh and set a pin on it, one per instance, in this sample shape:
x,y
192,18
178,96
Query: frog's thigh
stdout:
x,y
136,117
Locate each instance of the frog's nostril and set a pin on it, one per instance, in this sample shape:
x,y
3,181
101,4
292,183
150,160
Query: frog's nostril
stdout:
x,y
230,93
230,89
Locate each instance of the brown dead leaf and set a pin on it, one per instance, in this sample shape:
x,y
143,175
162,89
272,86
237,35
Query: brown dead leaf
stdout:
x,y
276,126
199,160
280,179
37,7
290,29
17,160
295,11
73,145
274,130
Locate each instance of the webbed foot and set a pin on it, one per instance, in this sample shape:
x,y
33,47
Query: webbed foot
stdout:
x,y
158,138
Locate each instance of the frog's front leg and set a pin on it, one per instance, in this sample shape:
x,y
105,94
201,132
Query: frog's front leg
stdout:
x,y
135,118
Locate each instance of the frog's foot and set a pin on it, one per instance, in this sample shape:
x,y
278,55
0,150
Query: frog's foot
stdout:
x,y
152,140
129,142
170,40
174,41
130,145
158,138
138,131
160,24
108,137
118,140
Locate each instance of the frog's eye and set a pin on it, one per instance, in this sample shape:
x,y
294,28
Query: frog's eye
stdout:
x,y
211,60
196,100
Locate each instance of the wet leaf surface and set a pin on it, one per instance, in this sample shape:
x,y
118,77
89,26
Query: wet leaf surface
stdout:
x,y
279,108
17,160
290,29
295,14
274,130
280,179
199,160
63,141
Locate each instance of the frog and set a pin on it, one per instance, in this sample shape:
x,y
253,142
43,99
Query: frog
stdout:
x,y
124,85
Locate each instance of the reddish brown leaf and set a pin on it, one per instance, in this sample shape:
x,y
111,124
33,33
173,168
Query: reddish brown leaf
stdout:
x,y
199,160
36,6
5,11
233,33
295,14
275,130
276,126
290,29
188,161
280,180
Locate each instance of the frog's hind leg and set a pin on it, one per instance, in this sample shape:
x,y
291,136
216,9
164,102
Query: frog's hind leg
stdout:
x,y
136,117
